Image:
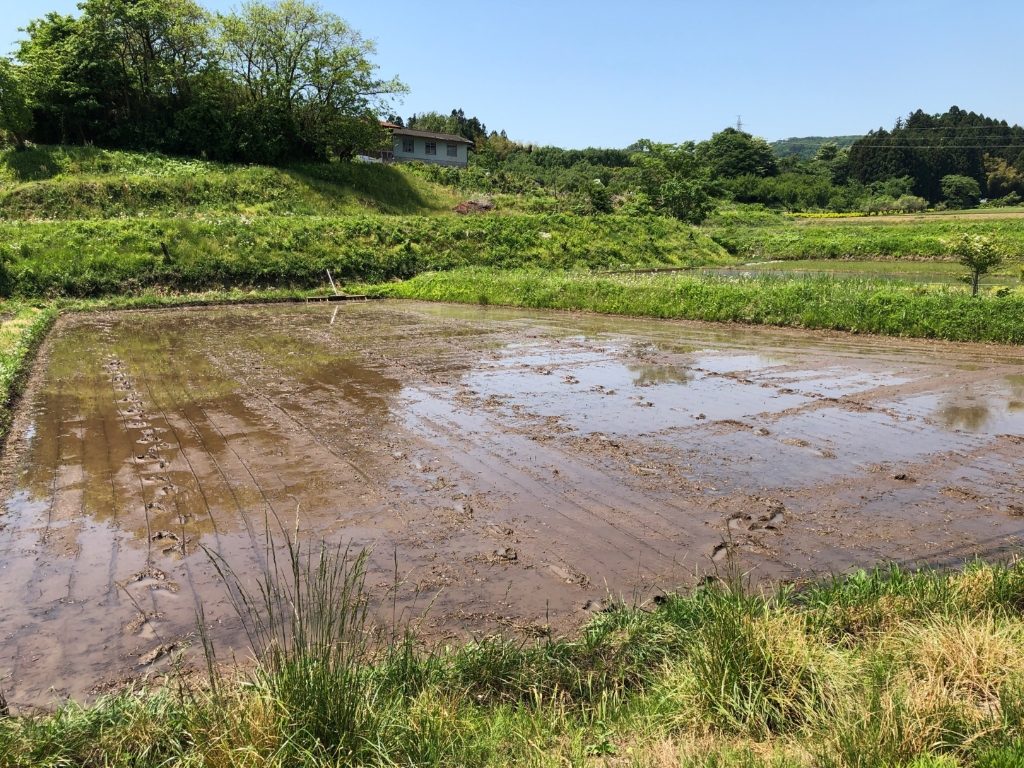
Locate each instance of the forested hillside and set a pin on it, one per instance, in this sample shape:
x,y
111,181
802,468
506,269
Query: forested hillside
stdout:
x,y
806,147
929,148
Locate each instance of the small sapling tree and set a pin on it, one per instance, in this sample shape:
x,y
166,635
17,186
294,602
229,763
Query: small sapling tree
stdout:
x,y
979,254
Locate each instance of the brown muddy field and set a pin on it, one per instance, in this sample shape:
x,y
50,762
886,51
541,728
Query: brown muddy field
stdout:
x,y
516,465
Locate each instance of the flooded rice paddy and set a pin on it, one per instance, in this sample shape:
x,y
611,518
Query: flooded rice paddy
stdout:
x,y
515,465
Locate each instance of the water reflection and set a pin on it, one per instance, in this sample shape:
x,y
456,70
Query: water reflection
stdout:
x,y
651,375
971,418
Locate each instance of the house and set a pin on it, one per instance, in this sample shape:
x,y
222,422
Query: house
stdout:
x,y
428,146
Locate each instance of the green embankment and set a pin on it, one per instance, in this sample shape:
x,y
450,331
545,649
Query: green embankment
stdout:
x,y
80,183
22,329
860,306
889,669
92,258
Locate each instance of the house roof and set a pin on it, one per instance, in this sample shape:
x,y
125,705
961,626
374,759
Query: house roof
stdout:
x,y
431,135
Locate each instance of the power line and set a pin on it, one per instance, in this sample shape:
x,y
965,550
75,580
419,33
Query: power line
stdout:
x,y
906,127
908,142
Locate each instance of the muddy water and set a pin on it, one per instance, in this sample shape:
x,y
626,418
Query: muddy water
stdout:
x,y
515,464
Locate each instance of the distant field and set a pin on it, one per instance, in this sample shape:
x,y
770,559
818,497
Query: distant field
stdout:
x,y
758,235
943,272
977,214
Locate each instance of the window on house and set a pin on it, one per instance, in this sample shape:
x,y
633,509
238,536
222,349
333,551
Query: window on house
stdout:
x,y
431,147
453,150
408,145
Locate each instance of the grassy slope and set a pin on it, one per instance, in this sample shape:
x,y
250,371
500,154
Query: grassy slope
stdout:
x,y
877,670
81,222
82,183
91,258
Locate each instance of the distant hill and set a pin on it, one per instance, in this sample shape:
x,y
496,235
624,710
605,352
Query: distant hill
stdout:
x,y
807,147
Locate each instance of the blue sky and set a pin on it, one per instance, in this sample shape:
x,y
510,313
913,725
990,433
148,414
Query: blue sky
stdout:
x,y
574,73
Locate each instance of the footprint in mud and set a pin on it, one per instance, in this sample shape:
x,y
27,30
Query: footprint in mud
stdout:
x,y
771,519
568,575
721,551
499,530
600,606
154,579
140,622
154,655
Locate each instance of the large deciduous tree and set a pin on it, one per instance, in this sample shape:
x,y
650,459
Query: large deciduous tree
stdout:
x,y
960,191
15,116
731,153
673,178
306,79
119,74
270,82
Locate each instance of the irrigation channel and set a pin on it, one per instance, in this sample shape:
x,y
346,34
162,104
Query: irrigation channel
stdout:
x,y
514,464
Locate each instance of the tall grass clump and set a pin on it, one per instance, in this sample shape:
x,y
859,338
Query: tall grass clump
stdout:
x,y
306,625
757,670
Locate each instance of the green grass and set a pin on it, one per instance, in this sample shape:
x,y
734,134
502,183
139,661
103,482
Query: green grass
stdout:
x,y
934,272
757,235
83,183
22,329
880,669
860,306
94,258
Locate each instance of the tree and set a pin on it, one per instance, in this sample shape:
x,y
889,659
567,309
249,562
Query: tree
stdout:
x,y
732,153
979,254
270,82
470,128
15,116
1003,178
119,74
56,76
674,180
306,80
960,191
